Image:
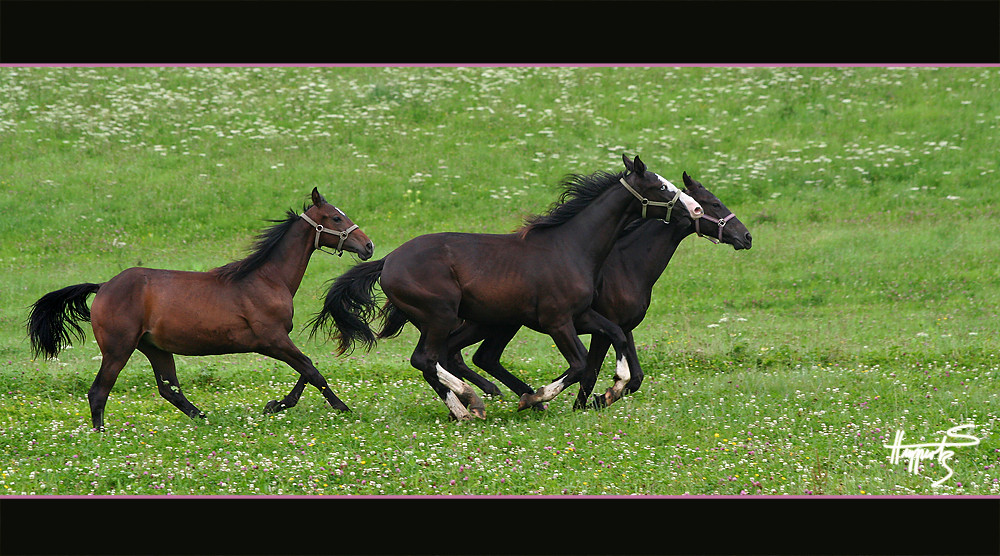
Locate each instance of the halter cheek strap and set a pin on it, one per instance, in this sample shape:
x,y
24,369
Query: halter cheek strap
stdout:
x,y
320,229
646,202
720,222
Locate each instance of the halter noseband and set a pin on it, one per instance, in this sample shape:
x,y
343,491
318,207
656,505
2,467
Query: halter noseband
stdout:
x,y
320,229
721,223
646,202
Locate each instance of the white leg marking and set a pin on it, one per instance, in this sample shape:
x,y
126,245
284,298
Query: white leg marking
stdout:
x,y
456,407
622,375
549,391
451,381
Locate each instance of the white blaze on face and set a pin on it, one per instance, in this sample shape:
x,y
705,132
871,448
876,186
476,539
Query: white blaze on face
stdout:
x,y
693,207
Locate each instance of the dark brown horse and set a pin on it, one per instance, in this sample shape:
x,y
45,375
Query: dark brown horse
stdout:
x,y
244,306
542,277
624,291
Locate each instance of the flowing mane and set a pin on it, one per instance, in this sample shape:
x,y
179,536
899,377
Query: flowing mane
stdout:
x,y
579,191
261,250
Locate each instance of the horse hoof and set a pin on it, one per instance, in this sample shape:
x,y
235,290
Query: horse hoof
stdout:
x,y
273,406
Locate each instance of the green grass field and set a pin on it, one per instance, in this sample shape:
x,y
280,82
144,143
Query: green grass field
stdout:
x,y
867,306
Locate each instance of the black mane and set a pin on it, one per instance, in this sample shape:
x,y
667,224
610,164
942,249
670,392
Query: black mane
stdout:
x,y
261,251
579,191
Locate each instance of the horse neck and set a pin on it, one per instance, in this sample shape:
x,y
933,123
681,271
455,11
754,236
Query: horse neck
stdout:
x,y
598,226
649,249
291,256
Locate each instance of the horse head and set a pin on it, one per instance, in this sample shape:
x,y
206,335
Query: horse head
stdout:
x,y
718,224
335,230
653,190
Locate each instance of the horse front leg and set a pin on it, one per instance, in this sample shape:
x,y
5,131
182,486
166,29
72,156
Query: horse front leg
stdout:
x,y
627,362
625,382
599,346
573,350
284,350
289,400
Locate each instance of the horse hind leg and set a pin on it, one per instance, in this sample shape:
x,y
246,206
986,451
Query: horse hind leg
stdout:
x,y
117,344
166,379
455,393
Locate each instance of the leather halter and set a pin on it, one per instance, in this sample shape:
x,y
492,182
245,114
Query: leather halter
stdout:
x,y
320,229
720,222
646,202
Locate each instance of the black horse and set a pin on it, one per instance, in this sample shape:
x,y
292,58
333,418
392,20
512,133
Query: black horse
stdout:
x,y
624,291
244,306
542,277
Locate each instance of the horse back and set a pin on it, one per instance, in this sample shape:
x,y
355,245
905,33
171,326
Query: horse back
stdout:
x,y
179,311
490,278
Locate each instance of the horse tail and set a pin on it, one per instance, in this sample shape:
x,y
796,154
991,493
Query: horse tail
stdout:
x,y
51,324
349,306
393,321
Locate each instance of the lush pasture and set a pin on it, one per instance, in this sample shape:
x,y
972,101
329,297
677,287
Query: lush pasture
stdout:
x,y
868,304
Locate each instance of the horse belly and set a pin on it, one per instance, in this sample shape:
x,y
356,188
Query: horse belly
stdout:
x,y
182,322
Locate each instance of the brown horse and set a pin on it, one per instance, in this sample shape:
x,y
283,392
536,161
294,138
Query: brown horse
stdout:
x,y
624,292
244,306
542,277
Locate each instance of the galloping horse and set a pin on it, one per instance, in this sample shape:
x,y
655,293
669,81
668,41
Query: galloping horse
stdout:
x,y
624,291
244,306
542,277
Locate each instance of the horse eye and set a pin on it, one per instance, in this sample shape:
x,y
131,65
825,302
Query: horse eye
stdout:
x,y
337,219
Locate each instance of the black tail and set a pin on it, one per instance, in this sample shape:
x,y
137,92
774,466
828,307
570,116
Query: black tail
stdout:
x,y
393,321
350,304
51,325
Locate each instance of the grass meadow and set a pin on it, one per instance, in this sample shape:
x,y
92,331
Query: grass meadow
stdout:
x,y
867,306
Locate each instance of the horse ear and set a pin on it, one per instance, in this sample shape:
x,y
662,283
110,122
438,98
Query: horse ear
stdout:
x,y
636,166
687,181
640,167
317,199
628,163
